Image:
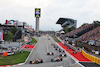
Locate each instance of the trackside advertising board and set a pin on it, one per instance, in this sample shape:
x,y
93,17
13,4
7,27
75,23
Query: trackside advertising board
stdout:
x,y
90,57
37,12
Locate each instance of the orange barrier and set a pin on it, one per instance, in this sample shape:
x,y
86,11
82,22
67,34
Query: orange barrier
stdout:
x,y
4,54
90,57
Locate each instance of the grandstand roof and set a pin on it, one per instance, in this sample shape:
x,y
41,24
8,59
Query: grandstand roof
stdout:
x,y
63,20
67,22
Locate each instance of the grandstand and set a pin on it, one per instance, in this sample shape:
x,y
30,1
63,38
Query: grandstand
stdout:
x,y
86,37
67,22
80,31
91,35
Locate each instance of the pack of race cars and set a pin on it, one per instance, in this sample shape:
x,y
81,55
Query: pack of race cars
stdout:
x,y
56,59
57,48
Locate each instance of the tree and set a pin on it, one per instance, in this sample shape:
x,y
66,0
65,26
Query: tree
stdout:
x,y
96,23
84,24
72,28
8,36
13,30
66,29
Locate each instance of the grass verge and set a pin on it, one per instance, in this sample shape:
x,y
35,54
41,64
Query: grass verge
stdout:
x,y
14,59
33,40
55,39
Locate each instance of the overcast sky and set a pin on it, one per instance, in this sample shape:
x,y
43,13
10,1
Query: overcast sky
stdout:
x,y
84,11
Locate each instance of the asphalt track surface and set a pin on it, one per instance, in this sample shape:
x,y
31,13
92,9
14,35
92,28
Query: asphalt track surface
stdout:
x,y
42,47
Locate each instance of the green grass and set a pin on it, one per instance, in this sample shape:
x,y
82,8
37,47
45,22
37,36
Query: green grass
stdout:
x,y
55,39
14,59
33,40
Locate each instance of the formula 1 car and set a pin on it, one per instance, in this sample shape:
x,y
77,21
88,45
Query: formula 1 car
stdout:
x,y
37,61
50,53
57,59
55,46
63,55
57,49
61,50
52,44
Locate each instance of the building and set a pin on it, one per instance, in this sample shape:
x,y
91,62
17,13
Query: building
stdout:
x,y
67,22
21,28
19,25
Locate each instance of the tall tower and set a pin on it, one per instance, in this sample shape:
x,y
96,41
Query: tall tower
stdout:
x,y
37,15
37,24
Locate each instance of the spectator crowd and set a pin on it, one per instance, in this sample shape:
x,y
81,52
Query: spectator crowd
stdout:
x,y
78,30
91,35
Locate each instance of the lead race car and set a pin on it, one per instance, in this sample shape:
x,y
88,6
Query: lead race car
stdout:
x,y
50,53
37,61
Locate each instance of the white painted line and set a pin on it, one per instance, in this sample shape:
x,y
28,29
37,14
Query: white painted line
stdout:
x,y
14,65
81,65
59,66
47,47
7,66
21,64
28,56
30,53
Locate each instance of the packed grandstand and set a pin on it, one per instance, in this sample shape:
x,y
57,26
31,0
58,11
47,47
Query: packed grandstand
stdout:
x,y
86,36
86,32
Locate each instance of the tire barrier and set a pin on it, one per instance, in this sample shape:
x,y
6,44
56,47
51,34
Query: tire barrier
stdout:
x,y
90,57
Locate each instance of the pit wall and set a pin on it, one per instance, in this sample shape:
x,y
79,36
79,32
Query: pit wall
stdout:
x,y
90,57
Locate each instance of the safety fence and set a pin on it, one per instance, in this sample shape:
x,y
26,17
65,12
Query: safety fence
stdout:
x,y
90,57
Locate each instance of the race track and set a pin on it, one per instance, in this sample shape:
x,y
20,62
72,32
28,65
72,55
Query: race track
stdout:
x,y
42,47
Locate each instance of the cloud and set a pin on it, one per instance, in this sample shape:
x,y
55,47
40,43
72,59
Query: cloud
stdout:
x,y
84,11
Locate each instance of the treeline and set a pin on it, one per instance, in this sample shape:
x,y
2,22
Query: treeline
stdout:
x,y
8,35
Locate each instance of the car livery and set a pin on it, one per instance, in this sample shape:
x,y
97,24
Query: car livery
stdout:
x,y
37,61
57,59
50,53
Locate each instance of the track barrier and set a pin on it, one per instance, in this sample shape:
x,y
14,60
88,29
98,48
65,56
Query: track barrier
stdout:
x,y
90,57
